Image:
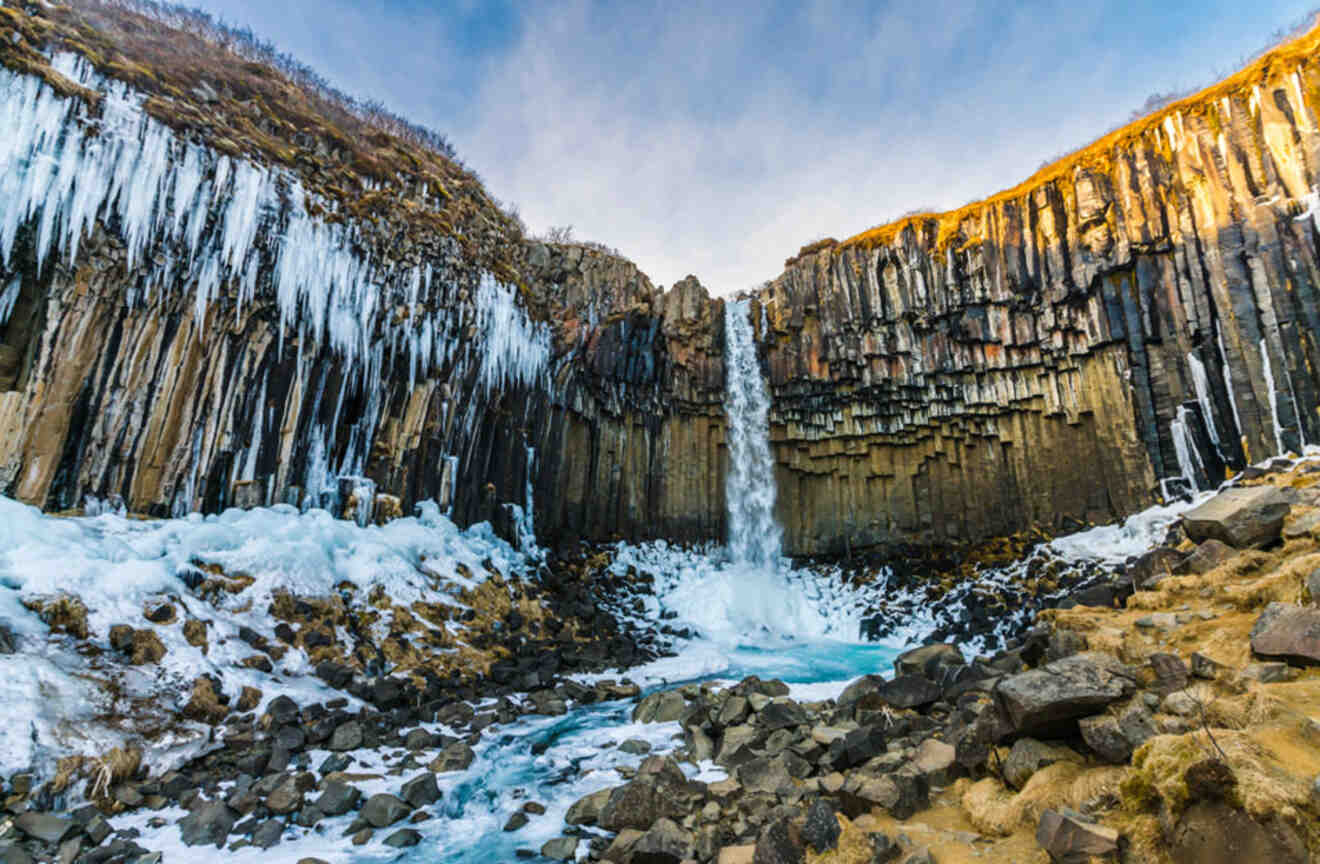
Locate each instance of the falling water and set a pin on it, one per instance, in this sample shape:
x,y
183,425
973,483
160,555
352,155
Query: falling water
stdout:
x,y
754,535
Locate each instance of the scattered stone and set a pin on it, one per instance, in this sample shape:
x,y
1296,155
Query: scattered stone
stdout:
x,y
1040,699
857,747
937,761
268,834
286,798
1242,517
403,838
46,827
929,661
421,790
663,707
347,736
780,842
383,810
1104,736
635,746
821,830
456,757
1069,840
1207,557
282,711
560,849
1029,756
208,824
534,807
1170,672
1288,631
516,821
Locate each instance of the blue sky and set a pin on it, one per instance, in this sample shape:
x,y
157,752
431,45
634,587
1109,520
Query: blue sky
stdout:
x,y
717,138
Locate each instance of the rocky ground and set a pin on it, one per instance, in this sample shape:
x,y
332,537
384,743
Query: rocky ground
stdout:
x,y
1160,711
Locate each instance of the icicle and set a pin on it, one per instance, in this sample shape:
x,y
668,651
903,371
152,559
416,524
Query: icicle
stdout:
x,y
1184,447
1228,379
517,351
1201,383
10,298
1274,398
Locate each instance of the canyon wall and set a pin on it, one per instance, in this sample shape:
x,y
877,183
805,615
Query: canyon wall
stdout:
x,y
192,320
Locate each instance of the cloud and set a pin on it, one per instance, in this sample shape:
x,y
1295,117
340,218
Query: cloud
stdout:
x,y
717,138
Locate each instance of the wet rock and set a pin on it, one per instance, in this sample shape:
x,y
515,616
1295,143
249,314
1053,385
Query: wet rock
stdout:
x,y
821,831
560,849
1029,756
664,707
1288,631
517,821
47,827
586,810
910,691
1069,840
207,824
268,834
1242,517
421,790
337,798
635,747
455,757
382,810
934,662
403,838
780,842
347,736
8,641
1042,699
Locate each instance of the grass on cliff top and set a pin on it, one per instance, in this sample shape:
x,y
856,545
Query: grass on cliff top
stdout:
x,y
228,89
1100,153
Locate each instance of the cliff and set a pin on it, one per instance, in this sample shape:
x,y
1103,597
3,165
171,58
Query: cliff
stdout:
x,y
221,287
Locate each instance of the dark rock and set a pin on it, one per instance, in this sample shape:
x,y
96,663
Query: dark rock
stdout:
x,y
1041,699
8,641
660,790
663,707
268,834
586,810
347,736
866,693
934,662
1068,840
517,820
209,823
1242,517
46,827
1103,735
1288,631
1207,557
421,790
782,713
1149,568
857,747
403,838
883,850
560,849
286,797
901,793
821,831
780,842
664,843
282,711
764,774
420,739
383,810
910,691
455,757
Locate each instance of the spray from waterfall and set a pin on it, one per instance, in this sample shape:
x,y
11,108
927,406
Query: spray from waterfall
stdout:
x,y
754,536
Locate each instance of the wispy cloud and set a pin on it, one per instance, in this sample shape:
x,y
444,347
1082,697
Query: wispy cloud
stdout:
x,y
717,138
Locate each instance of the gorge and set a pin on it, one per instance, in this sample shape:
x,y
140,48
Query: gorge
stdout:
x,y
340,520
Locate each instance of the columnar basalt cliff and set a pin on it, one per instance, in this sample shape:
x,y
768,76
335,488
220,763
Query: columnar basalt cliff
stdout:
x,y
206,302
1134,318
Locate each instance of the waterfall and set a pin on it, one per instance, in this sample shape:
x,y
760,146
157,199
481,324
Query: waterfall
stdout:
x,y
754,536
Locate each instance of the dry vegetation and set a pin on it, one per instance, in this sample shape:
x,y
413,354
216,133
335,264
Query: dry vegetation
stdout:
x,y
226,88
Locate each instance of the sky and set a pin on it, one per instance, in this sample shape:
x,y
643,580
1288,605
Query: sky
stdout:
x,y
715,139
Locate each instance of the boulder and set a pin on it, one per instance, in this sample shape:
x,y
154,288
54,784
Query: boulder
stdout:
x,y
937,762
1069,840
780,842
210,823
901,793
337,798
403,838
782,713
1242,517
586,810
1104,736
560,849
664,843
456,757
857,747
864,694
46,827
764,774
347,736
1216,832
910,691
1288,631
660,790
929,661
1207,557
421,790
821,830
1170,673
282,711
1040,700
1029,756
383,810
1152,566
663,707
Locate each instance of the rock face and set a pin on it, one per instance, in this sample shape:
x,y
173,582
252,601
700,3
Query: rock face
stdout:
x,y
1135,316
